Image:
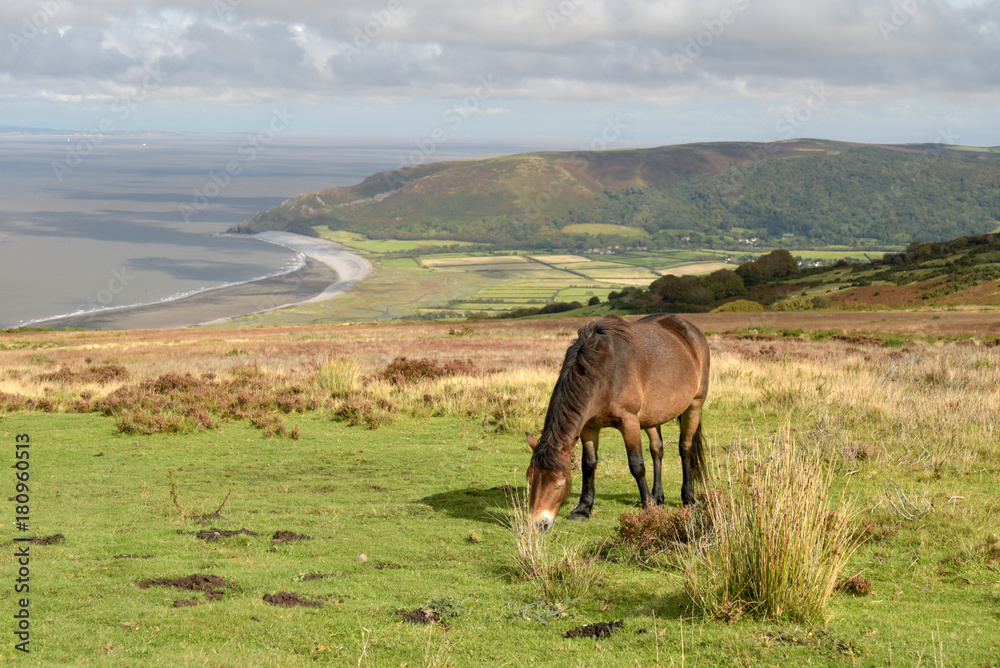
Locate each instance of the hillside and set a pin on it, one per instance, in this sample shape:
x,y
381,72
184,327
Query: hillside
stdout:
x,y
800,193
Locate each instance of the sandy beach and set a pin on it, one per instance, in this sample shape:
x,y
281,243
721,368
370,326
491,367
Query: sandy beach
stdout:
x,y
330,269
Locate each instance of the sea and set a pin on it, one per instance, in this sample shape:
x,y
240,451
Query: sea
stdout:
x,y
91,223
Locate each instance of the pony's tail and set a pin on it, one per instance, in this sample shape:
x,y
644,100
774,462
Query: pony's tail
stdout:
x,y
699,471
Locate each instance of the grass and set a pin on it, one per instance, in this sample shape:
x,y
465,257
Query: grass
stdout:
x,y
602,228
909,433
562,579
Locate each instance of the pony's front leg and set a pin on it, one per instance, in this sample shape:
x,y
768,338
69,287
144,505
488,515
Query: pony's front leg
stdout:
x,y
656,453
588,464
632,434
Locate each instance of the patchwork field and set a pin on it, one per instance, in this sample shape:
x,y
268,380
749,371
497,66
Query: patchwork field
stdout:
x,y
206,496
435,284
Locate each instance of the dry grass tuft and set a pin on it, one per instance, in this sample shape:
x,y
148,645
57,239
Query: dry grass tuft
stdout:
x,y
558,578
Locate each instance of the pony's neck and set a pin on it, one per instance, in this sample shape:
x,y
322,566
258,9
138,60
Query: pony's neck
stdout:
x,y
568,413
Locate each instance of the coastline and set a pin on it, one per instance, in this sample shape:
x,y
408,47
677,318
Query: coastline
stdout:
x,y
329,270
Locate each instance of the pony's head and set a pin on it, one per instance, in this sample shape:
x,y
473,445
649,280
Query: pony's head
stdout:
x,y
549,481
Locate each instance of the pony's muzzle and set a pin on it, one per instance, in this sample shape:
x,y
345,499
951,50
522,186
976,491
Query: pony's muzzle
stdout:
x,y
543,522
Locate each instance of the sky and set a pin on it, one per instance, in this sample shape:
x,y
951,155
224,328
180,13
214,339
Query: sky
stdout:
x,y
588,73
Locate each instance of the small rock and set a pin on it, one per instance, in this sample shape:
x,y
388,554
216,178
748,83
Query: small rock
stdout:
x,y
362,557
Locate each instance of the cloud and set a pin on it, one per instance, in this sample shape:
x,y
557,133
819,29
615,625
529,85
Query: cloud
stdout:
x,y
239,52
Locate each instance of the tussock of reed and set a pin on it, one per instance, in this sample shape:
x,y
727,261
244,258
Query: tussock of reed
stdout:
x,y
337,376
777,547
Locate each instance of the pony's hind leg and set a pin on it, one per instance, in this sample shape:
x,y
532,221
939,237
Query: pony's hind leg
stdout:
x,y
588,464
656,453
690,451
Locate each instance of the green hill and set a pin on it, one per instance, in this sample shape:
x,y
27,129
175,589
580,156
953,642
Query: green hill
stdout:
x,y
800,193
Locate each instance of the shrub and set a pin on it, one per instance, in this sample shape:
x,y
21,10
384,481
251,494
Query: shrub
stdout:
x,y
361,409
175,403
739,306
855,586
656,529
102,373
776,548
793,305
402,370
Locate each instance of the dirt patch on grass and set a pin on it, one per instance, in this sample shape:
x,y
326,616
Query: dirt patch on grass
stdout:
x,y
212,585
131,556
289,599
320,576
213,534
185,603
54,539
280,537
596,631
419,616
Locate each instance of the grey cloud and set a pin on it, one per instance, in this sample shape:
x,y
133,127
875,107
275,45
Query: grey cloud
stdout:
x,y
593,48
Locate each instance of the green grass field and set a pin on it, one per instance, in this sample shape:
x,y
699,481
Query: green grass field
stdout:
x,y
601,228
907,426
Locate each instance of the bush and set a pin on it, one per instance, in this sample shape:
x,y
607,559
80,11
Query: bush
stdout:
x,y
793,305
739,306
656,529
402,370
102,373
364,410
173,403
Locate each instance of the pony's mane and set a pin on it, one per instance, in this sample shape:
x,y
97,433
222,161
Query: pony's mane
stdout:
x,y
572,392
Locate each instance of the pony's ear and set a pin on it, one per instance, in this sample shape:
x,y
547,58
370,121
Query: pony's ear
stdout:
x,y
532,441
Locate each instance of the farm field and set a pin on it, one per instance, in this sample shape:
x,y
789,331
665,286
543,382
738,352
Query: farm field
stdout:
x,y
278,455
437,284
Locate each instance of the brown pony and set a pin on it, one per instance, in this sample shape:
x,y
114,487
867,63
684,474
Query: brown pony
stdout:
x,y
633,377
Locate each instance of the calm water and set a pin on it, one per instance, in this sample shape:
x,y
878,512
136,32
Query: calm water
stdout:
x,y
132,219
